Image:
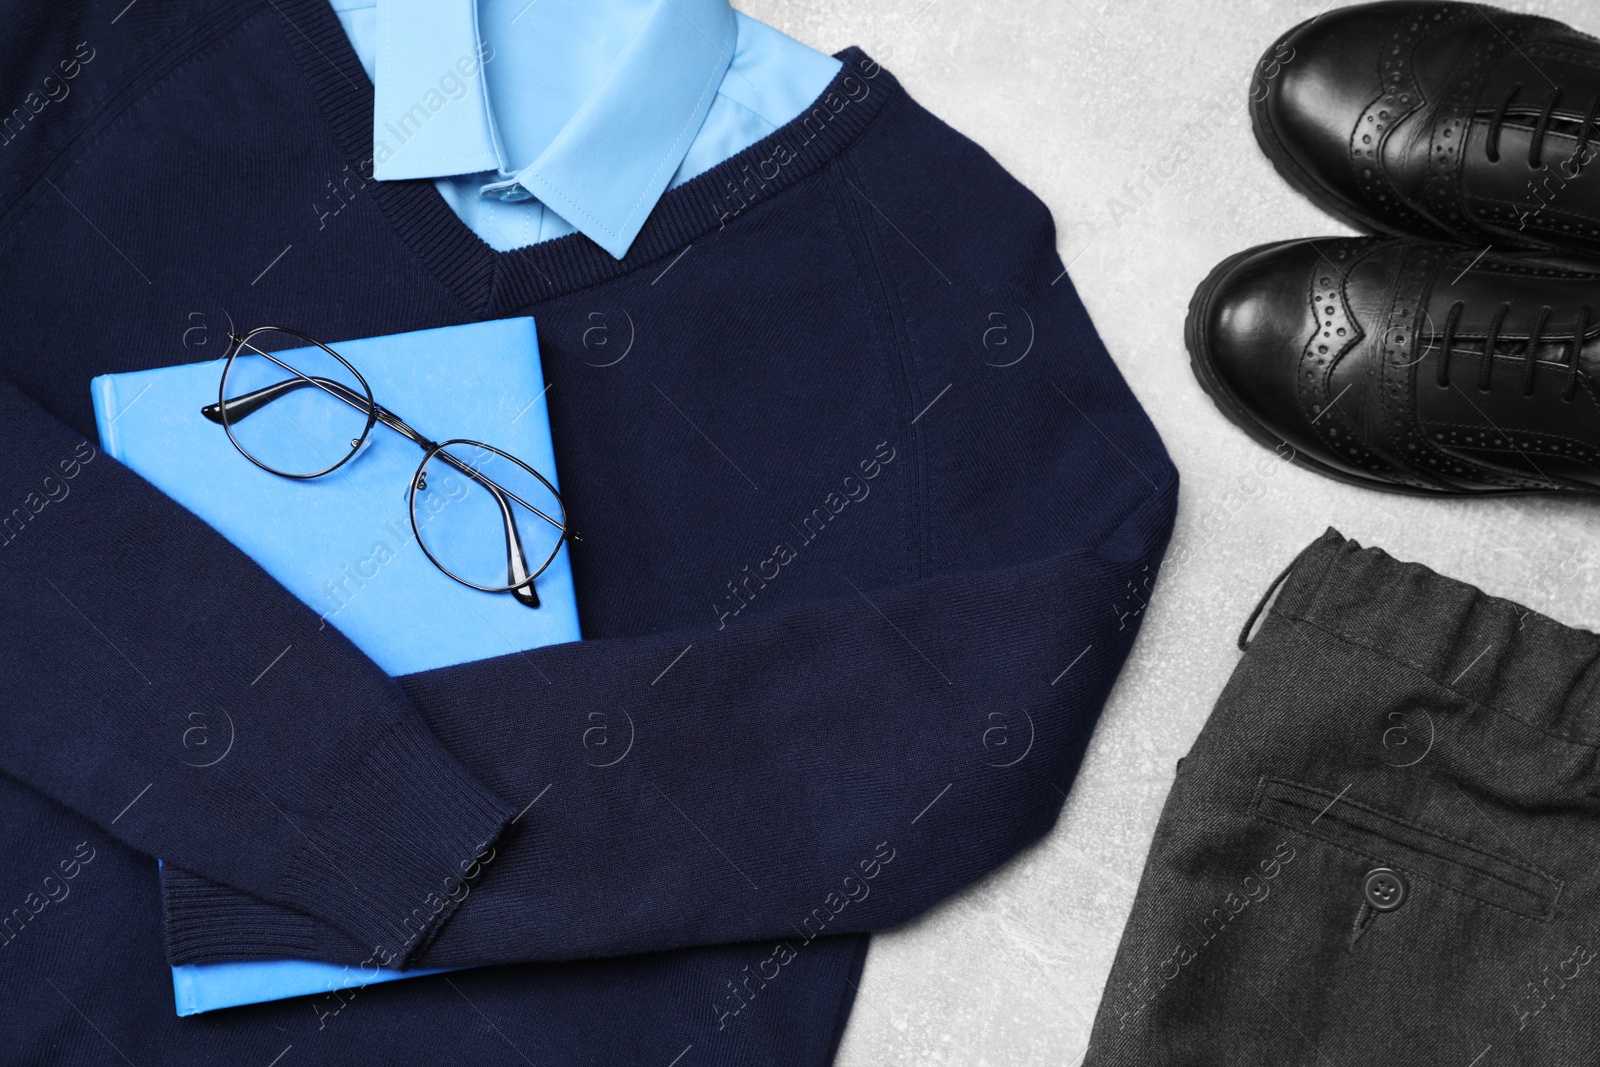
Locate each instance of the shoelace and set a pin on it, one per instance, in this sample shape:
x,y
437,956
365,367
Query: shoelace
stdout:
x,y
1529,359
1491,142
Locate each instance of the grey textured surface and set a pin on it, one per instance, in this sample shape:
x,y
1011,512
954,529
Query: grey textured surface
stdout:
x,y
1075,98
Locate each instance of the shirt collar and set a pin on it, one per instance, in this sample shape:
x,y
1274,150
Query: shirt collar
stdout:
x,y
594,130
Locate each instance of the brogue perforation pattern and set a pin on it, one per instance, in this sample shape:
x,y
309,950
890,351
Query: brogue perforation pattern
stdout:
x,y
1441,191
1487,439
1502,213
1335,334
1397,369
1400,97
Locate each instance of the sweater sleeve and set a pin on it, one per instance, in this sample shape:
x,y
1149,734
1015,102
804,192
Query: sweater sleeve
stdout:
x,y
162,685
832,769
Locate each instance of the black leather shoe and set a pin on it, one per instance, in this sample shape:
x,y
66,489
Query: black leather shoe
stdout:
x,y
1446,120
1409,365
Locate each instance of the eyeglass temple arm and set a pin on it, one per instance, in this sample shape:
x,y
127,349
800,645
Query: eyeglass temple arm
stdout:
x,y
243,406
518,576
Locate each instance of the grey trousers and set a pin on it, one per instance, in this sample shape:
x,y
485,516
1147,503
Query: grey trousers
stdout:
x,y
1384,846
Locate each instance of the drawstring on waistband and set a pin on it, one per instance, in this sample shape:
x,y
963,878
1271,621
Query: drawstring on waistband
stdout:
x,y
1249,624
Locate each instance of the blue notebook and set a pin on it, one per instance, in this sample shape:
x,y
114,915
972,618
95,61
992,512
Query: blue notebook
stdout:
x,y
343,543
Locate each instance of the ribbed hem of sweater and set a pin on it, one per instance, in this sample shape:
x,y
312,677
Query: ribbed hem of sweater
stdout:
x,y
385,864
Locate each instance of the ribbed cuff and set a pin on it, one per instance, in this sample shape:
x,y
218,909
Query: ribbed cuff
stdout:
x,y
385,865
203,922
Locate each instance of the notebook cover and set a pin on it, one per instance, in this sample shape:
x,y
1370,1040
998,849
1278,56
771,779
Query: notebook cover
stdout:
x,y
343,543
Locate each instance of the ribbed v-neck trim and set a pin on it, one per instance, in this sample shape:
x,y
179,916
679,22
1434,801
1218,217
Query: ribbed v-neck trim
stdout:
x,y
491,283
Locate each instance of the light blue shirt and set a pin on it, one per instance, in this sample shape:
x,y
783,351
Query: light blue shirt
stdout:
x,y
536,118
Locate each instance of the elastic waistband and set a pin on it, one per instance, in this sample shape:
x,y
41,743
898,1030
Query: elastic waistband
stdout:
x,y
1488,649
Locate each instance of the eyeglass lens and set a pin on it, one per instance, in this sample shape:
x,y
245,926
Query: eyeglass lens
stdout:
x,y
308,417
462,498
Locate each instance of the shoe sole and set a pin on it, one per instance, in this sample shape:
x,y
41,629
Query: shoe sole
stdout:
x,y
1200,365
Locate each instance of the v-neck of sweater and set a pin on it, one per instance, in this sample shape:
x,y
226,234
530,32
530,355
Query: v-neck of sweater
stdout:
x,y
492,283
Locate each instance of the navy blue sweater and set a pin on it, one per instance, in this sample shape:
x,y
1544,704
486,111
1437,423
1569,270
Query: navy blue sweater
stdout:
x,y
869,519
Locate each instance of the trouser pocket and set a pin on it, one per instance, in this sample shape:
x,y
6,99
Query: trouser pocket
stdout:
x,y
1414,852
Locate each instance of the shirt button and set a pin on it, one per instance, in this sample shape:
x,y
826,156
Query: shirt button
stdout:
x,y
1385,889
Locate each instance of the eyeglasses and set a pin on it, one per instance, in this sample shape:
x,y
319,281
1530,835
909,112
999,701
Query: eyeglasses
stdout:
x,y
472,505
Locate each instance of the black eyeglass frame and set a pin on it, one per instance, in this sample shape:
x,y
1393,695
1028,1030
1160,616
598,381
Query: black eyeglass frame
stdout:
x,y
227,411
